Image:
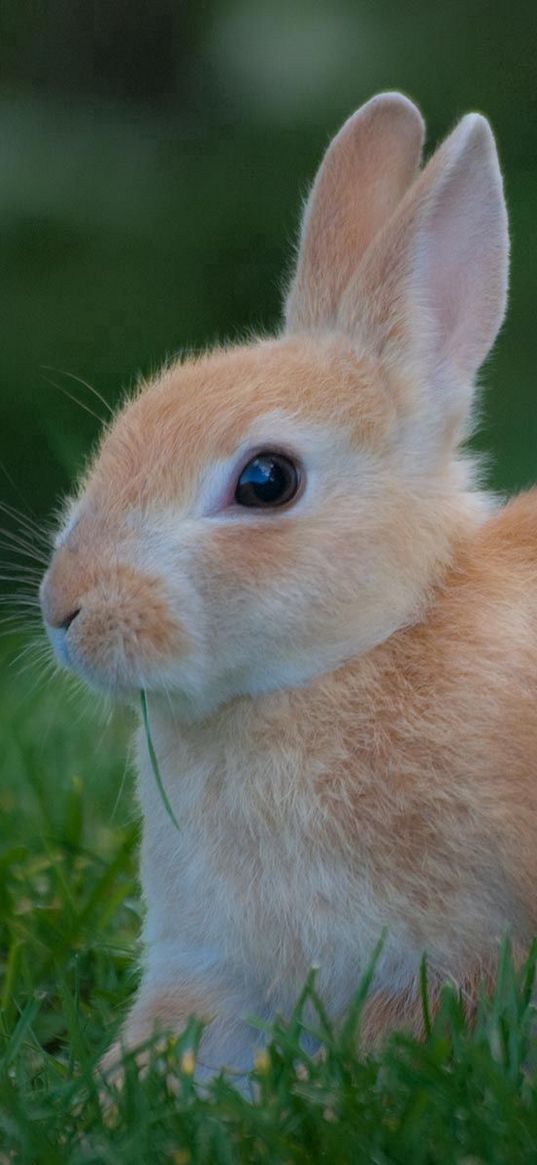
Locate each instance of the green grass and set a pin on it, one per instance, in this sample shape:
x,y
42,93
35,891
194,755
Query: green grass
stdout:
x,y
69,920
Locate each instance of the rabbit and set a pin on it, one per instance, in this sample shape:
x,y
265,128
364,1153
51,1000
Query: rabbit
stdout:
x,y
287,546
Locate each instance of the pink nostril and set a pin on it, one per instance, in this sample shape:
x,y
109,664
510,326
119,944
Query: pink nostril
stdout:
x,y
66,623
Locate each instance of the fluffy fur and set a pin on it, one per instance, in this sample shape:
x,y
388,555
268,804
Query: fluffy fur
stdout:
x,y
341,691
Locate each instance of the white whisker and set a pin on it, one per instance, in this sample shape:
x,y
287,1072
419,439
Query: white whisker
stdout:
x,y
31,525
76,401
80,380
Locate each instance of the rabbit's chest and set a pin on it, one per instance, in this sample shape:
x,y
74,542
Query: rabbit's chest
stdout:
x,y
272,907
253,881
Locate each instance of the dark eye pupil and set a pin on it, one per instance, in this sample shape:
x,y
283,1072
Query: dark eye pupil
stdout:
x,y
268,480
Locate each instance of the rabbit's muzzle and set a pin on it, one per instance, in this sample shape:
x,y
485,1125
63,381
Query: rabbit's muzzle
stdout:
x,y
108,620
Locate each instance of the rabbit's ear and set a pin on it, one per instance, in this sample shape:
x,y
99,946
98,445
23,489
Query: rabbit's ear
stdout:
x,y
430,294
364,174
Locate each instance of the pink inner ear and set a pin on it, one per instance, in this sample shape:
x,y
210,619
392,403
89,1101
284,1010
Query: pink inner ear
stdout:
x,y
430,293
462,260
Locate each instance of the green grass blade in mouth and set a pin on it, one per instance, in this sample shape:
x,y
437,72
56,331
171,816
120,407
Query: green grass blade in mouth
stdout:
x,y
154,762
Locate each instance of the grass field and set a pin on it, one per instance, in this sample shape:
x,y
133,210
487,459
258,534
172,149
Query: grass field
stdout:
x,y
69,920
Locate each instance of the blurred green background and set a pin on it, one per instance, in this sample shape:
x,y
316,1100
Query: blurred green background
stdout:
x,y
153,161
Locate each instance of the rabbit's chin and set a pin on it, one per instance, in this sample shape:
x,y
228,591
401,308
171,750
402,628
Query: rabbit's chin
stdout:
x,y
192,692
185,688
112,681
114,673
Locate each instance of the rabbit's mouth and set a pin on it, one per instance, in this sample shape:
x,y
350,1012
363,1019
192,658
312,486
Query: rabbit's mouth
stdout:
x,y
119,635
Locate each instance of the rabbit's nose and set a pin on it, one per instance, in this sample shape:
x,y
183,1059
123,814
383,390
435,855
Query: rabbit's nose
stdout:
x,y
70,618
60,606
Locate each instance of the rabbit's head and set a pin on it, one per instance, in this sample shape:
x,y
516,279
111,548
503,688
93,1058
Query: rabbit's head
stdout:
x,y
256,516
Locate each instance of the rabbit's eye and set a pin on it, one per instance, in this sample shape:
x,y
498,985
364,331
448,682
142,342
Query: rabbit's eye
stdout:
x,y
269,479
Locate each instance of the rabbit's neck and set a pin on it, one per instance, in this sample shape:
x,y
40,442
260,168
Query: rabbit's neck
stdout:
x,y
260,753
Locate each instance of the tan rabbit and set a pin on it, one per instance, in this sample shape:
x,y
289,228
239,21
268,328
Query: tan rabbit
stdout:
x,y
336,629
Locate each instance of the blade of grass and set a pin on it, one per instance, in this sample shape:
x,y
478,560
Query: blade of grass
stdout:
x,y
424,993
154,762
20,1030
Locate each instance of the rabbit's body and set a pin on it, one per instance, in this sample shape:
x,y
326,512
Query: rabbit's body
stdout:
x,y
336,630
397,792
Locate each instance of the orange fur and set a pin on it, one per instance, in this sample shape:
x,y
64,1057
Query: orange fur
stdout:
x,y
380,161
200,409
341,691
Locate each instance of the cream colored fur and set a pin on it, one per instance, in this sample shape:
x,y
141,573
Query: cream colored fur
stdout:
x,y
341,692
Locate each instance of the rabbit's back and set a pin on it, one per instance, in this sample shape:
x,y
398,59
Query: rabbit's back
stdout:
x,y
441,774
